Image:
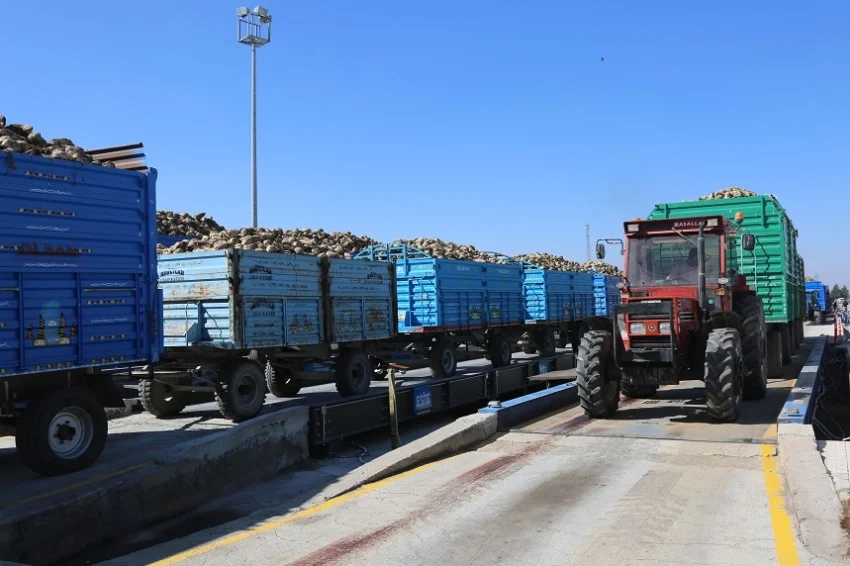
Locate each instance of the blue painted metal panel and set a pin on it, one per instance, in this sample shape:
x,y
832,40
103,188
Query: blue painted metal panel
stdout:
x,y
548,295
241,299
361,300
584,302
820,291
504,294
77,266
605,294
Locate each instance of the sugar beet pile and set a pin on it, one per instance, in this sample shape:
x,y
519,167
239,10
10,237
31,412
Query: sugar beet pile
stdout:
x,y
22,138
204,233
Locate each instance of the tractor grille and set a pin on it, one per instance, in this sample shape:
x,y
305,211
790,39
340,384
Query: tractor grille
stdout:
x,y
649,342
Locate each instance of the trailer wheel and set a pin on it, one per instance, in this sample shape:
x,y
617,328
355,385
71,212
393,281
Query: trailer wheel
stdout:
x,y
722,374
546,342
753,348
563,338
774,354
63,433
353,373
786,344
281,382
638,391
818,317
159,399
241,391
443,359
598,391
499,350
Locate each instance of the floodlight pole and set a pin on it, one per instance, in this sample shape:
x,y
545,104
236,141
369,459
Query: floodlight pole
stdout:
x,y
253,135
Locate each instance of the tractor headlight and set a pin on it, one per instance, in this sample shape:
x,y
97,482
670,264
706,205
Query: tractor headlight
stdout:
x,y
664,328
637,328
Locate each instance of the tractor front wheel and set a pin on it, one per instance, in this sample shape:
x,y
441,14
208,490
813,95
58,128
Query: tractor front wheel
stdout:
x,y
598,388
722,374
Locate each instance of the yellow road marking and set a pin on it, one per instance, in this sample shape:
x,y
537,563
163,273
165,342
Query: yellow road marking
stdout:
x,y
783,533
74,486
271,525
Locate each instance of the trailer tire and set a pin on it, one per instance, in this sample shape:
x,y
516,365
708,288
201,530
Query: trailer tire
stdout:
x,y
499,350
442,358
159,400
723,393
281,382
241,390
638,391
599,393
73,413
774,354
753,348
353,373
818,318
546,342
563,338
787,349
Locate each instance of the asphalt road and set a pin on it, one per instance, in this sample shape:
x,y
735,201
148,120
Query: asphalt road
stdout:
x,y
657,484
139,438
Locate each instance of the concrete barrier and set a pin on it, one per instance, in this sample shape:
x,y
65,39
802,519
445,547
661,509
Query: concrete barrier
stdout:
x,y
812,496
190,474
527,407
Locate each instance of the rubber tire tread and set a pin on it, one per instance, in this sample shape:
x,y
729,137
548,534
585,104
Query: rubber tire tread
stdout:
x,y
752,339
546,345
344,386
278,387
774,354
594,354
435,360
638,391
226,406
787,348
494,349
31,440
721,351
149,394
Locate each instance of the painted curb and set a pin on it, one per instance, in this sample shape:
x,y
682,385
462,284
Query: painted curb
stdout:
x,y
528,407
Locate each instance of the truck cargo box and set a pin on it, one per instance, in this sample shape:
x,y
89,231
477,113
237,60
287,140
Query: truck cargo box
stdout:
x,y
605,294
820,292
237,299
774,269
77,266
439,295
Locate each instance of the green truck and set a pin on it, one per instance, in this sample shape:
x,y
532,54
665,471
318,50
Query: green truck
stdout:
x,y
773,269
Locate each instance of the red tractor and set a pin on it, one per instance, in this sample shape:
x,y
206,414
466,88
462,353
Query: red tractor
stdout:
x,y
683,316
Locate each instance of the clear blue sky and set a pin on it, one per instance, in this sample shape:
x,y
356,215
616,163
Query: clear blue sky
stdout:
x,y
490,123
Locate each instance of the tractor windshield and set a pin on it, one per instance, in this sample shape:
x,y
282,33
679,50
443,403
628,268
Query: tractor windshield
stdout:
x,y
671,260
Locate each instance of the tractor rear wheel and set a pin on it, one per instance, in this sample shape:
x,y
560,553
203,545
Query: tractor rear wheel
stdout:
x,y
722,374
598,390
753,347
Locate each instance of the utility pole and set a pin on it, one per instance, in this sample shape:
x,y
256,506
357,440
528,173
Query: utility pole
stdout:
x,y
587,240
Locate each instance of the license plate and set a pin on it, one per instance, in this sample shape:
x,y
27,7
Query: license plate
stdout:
x,y
422,399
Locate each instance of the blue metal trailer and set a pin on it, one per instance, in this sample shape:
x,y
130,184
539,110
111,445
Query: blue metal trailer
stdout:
x,y
78,297
818,301
605,294
561,301
234,319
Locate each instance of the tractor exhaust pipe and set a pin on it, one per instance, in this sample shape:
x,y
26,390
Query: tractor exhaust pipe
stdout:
x,y
703,300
